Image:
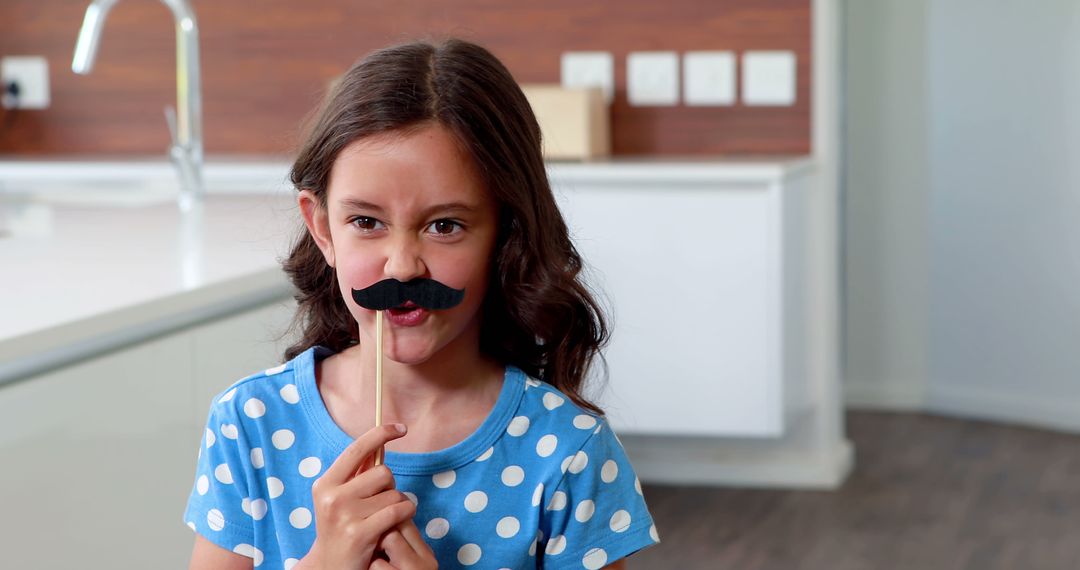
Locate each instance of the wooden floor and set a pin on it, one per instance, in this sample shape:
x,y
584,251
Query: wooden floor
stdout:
x,y
927,493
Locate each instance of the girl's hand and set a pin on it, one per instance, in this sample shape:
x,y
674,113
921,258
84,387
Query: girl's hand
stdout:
x,y
405,550
356,504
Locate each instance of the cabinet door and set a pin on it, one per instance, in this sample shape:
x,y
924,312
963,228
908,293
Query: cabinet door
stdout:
x,y
98,460
691,281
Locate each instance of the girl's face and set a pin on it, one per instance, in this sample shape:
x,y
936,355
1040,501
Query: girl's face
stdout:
x,y
402,207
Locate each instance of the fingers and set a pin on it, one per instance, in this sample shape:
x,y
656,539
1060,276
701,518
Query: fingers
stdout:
x,y
370,482
380,564
351,460
385,519
406,549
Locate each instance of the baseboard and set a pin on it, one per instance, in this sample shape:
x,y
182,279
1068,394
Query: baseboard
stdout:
x,y
731,464
884,397
1017,408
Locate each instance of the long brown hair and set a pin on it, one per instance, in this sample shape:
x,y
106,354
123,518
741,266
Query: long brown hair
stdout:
x,y
537,314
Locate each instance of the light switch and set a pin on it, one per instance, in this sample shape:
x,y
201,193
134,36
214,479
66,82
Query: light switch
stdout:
x,y
709,78
589,69
652,78
768,78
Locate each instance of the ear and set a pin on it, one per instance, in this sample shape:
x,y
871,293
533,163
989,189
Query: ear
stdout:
x,y
316,219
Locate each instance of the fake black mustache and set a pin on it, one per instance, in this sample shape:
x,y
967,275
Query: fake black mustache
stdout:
x,y
390,293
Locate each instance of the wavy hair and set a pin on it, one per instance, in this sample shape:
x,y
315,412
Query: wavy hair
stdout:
x,y
537,314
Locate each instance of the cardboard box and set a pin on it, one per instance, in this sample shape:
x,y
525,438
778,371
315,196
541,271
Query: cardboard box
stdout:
x,y
574,123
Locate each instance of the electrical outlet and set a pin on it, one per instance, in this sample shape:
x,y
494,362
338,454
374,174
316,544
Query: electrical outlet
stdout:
x,y
589,69
768,78
652,78
30,76
709,78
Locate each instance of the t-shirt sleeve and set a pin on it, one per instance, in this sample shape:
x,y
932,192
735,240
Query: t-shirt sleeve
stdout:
x,y
215,508
597,514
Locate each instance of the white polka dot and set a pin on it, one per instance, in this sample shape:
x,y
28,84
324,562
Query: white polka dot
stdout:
x,y
585,510
215,519
283,439
546,446
258,509
210,438
532,548
556,545
487,454
300,518
411,497
229,431
609,471
191,525
469,554
532,382
254,408
245,550
290,563
289,393
637,485
223,474
310,467
558,501
508,527
620,521
437,528
227,396
537,495
513,475
566,463
476,501
202,485
653,534
444,479
518,426
274,487
257,459
275,370
595,559
245,506
552,400
581,460
584,421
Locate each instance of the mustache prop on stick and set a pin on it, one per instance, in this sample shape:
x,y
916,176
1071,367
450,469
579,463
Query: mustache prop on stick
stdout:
x,y
390,294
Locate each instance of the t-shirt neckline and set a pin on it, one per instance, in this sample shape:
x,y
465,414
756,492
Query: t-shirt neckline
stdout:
x,y
457,455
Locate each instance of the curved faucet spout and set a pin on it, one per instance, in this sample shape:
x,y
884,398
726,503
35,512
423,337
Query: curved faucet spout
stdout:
x,y
186,151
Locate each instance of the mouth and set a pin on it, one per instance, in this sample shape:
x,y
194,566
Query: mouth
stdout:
x,y
403,308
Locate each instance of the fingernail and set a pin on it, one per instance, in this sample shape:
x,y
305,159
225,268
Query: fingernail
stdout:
x,y
400,428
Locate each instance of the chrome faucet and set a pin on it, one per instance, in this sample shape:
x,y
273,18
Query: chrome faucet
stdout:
x,y
185,122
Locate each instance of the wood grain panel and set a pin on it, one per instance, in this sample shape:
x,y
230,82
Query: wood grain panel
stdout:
x,y
266,64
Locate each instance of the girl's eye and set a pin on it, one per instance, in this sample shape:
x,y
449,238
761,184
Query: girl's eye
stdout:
x,y
445,227
365,223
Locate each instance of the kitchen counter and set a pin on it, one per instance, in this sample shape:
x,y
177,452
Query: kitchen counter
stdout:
x,y
96,255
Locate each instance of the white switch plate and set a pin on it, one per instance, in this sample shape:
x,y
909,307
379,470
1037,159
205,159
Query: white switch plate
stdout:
x,y
32,75
589,69
768,78
709,78
652,78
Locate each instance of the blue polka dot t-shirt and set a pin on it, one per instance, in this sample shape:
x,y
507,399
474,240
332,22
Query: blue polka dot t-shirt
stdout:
x,y
540,484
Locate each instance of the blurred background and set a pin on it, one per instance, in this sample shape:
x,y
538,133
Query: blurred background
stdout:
x,y
869,204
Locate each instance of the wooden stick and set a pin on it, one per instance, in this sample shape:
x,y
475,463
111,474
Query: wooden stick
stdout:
x,y
378,380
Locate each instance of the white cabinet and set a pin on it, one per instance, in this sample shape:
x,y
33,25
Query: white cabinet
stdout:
x,y
99,456
692,273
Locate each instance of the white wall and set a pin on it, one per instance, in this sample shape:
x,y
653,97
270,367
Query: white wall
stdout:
x,y
963,208
1005,209
886,191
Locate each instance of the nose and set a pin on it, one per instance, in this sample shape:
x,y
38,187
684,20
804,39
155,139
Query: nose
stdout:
x,y
404,260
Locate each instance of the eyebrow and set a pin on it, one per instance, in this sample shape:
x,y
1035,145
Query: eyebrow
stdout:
x,y
357,204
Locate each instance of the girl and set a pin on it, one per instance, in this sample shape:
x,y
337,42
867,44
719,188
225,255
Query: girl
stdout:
x,y
424,168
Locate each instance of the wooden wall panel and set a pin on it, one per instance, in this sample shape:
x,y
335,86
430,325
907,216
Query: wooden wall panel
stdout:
x,y
266,63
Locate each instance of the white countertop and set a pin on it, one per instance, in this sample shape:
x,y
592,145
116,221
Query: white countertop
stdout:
x,y
96,254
